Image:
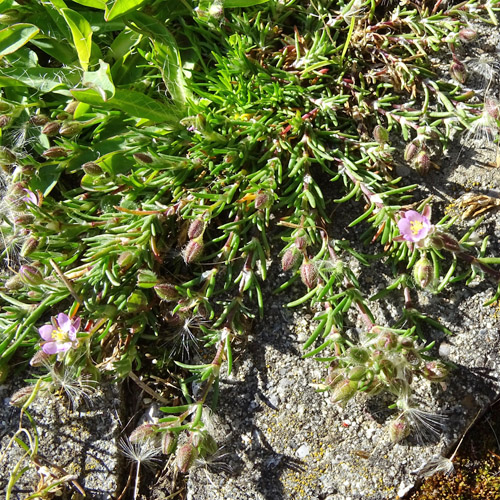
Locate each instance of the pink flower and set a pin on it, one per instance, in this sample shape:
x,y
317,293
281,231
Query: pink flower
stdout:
x,y
414,226
30,197
61,335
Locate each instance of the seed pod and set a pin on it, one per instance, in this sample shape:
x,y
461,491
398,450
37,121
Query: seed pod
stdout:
x,y
309,274
380,134
423,272
168,443
399,428
412,357
55,152
193,250
185,457
68,129
143,432
196,229
30,275
50,128
136,301
458,71
143,158
356,373
39,358
290,258
21,396
166,291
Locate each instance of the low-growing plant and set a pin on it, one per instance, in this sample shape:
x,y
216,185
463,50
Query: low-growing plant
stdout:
x,y
158,160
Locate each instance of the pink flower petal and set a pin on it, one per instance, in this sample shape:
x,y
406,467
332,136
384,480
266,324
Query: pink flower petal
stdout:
x,y
64,322
50,348
45,332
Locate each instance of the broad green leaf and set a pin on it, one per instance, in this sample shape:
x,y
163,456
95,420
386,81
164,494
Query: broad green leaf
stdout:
x,y
42,79
121,7
229,4
61,51
46,178
96,4
82,35
100,81
130,102
15,36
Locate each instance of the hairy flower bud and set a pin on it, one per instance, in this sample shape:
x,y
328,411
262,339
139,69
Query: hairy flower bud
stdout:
x,y
423,272
387,340
71,107
344,391
70,128
467,34
126,260
92,168
411,151
356,373
435,371
55,152
263,200
143,432
380,134
50,128
4,120
458,71
196,229
290,258
6,155
30,275
39,358
166,291
300,243
358,355
168,442
14,283
422,163
29,246
440,240
21,396
39,120
492,107
146,279
185,457
193,250
399,428
309,274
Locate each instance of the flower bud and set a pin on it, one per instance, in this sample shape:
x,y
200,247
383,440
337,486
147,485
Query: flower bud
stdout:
x,y
440,240
380,134
300,243
143,432
399,428
6,155
30,275
467,34
39,120
412,357
388,368
356,373
309,274
24,219
344,391
492,107
185,457
92,168
21,396
55,152
126,260
6,107
14,283
136,301
166,291
193,250
71,107
143,158
50,128
4,121
68,129
290,258
39,358
422,163
196,229
387,340
168,442
146,279
458,71
29,246
411,151
263,200
358,355
423,272
435,371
